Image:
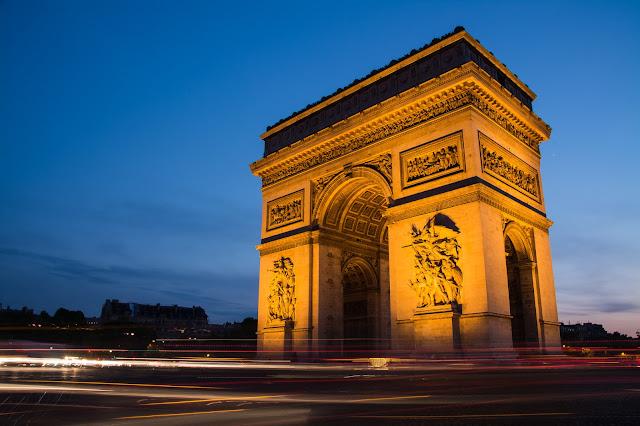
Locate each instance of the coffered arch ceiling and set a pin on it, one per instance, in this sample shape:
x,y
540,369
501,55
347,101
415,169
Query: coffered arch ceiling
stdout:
x,y
357,210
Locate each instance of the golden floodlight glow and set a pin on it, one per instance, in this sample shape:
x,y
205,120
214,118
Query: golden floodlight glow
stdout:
x,y
407,213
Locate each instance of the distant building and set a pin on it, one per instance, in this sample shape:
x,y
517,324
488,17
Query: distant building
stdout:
x,y
93,320
586,331
156,316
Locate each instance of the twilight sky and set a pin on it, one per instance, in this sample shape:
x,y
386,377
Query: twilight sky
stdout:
x,y
127,129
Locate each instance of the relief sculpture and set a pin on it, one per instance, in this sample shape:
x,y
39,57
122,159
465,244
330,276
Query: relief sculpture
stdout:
x,y
282,300
383,165
432,160
285,210
318,186
438,278
494,162
426,165
280,214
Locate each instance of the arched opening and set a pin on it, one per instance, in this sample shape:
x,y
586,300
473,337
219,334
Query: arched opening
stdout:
x,y
521,280
360,297
351,215
515,294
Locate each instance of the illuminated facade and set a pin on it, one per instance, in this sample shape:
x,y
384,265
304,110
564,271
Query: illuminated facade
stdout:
x,y
406,212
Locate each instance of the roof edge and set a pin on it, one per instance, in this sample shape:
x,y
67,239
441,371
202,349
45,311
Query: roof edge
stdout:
x,y
395,65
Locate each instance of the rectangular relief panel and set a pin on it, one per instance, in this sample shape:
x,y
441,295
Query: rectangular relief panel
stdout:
x,y
506,167
432,160
285,210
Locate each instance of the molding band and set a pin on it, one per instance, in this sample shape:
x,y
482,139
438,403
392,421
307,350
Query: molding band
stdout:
x,y
469,193
461,184
471,95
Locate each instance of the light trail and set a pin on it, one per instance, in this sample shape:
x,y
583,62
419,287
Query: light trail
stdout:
x,y
462,416
4,386
391,397
11,413
124,384
537,363
215,399
179,414
56,405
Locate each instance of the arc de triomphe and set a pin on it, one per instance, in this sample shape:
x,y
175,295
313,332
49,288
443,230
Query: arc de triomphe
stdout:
x,y
406,212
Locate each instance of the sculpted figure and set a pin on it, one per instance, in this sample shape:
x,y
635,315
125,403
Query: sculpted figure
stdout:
x,y
285,213
281,299
497,164
384,163
438,279
426,165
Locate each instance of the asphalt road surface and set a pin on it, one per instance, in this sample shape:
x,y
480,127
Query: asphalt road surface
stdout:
x,y
256,394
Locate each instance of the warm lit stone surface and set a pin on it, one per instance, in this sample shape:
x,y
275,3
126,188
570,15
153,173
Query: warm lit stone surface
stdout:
x,y
455,158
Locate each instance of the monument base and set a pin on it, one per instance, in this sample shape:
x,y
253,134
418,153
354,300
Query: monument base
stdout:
x,y
437,328
487,334
275,341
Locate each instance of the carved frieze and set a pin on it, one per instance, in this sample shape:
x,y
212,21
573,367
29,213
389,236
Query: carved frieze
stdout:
x,y
281,301
382,164
501,164
345,145
438,278
432,160
285,210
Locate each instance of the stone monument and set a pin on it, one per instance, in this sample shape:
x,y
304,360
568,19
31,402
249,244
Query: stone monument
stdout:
x,y
406,212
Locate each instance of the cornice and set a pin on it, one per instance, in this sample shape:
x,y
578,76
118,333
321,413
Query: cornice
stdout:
x,y
359,122
485,314
511,105
467,73
473,193
285,243
397,67
323,236
472,88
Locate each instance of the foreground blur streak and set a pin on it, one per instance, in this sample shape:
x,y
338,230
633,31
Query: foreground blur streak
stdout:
x,y
550,390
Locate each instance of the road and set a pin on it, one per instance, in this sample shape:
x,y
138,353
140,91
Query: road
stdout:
x,y
256,394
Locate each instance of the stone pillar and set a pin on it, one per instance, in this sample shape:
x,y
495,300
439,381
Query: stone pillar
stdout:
x,y
437,328
327,299
276,340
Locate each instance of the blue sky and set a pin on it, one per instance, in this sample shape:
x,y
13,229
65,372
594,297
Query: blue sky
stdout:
x,y
127,128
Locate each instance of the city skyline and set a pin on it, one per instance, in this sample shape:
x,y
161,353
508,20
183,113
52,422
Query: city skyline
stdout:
x,y
127,131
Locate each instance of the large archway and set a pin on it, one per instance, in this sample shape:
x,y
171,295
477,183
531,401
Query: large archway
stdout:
x,y
360,301
352,213
521,278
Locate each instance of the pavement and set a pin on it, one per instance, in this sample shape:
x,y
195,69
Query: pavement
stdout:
x,y
535,390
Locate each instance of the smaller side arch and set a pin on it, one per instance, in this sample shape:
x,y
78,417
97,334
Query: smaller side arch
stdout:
x,y
518,237
522,282
356,266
